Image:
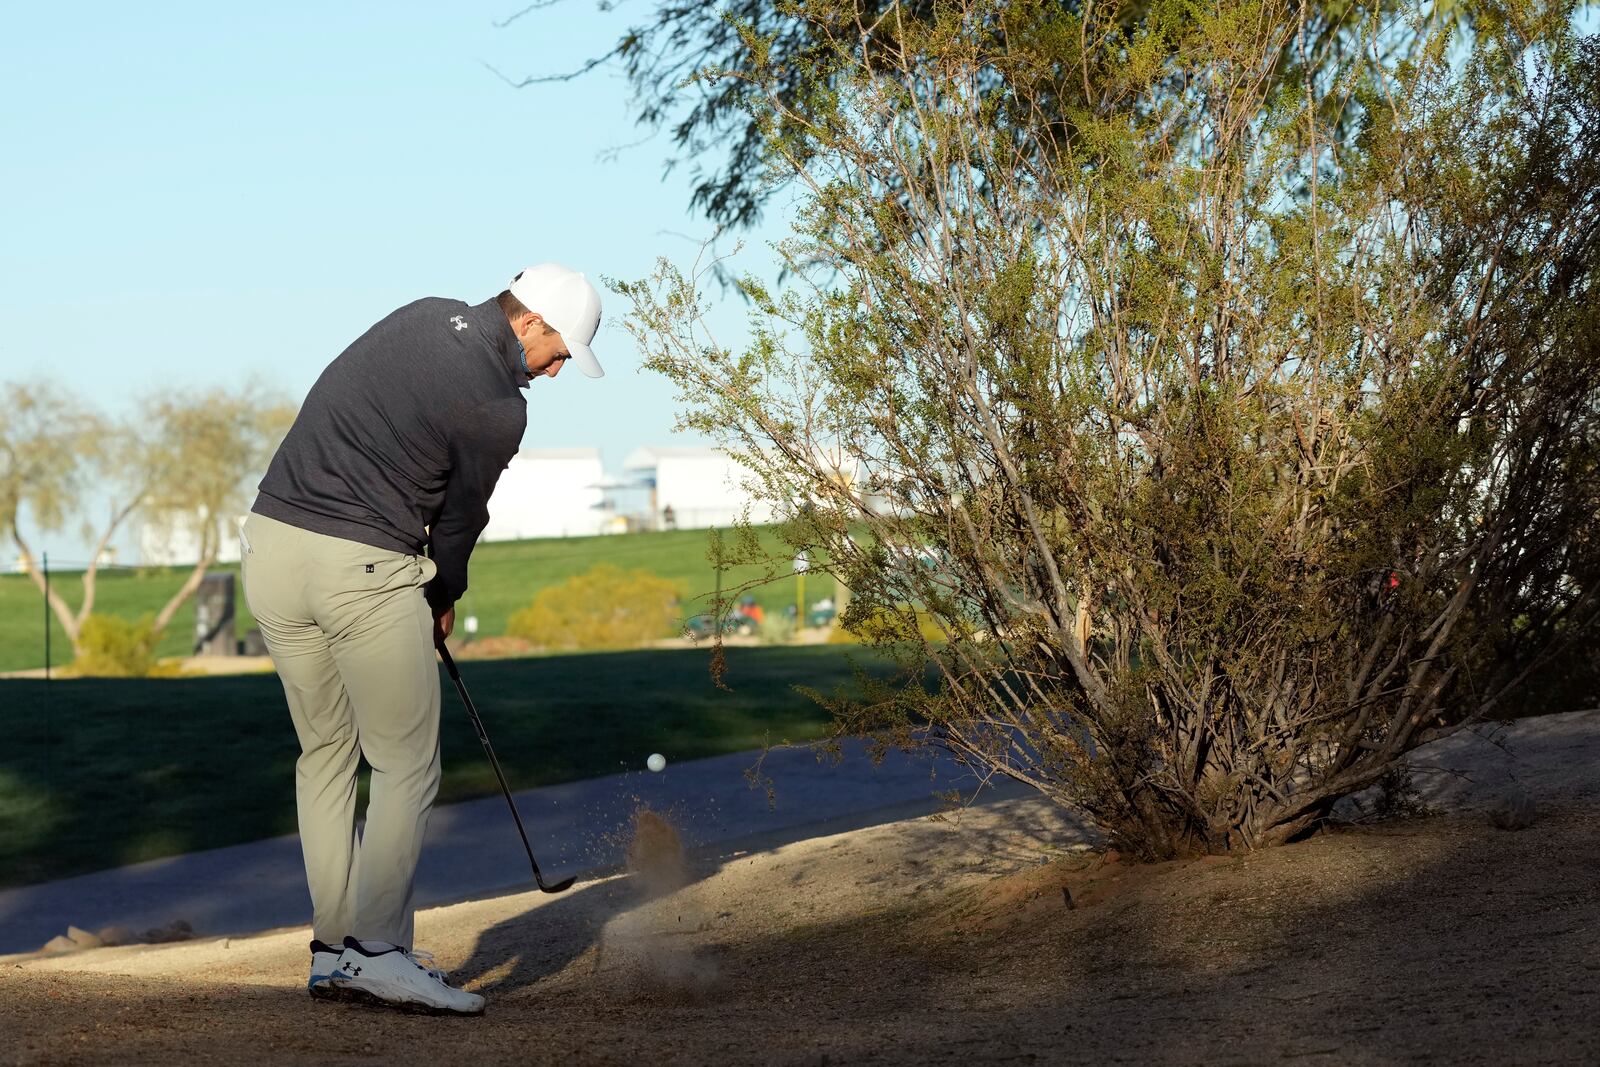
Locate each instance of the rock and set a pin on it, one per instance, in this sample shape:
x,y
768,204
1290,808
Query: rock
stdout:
x,y
177,930
60,943
1514,810
117,935
84,938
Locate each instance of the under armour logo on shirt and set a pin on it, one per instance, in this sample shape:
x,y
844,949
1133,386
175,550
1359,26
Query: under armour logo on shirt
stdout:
x,y
458,322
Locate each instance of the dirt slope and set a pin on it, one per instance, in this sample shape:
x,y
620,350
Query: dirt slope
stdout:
x,y
1439,940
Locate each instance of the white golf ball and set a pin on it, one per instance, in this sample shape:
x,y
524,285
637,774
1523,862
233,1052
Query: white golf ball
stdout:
x,y
656,762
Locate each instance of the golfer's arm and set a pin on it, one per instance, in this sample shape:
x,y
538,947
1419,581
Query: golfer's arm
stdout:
x,y
478,453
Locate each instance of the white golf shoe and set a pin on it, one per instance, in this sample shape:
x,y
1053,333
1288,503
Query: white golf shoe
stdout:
x,y
400,979
324,970
424,959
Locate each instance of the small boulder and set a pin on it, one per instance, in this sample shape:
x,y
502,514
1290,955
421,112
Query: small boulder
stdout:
x,y
177,930
117,935
84,938
1514,810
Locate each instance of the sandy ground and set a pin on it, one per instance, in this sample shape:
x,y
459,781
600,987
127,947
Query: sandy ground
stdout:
x,y
1427,940
183,666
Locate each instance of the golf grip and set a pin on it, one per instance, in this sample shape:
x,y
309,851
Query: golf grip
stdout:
x,y
483,736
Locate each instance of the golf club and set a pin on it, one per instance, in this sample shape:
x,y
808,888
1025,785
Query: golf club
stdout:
x,y
477,724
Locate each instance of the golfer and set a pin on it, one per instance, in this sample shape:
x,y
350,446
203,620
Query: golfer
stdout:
x,y
354,555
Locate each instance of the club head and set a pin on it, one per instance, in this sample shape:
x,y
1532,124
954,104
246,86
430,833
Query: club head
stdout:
x,y
559,887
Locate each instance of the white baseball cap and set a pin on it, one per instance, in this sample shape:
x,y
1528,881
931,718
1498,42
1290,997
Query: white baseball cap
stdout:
x,y
568,304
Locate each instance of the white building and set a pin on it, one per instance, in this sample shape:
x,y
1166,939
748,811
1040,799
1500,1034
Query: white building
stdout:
x,y
561,492
176,542
548,492
542,493
693,488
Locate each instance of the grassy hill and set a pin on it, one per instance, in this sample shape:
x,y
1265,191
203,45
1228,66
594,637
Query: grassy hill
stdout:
x,y
505,576
96,773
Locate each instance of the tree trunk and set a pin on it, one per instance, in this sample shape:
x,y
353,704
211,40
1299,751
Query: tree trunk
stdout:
x,y
184,593
92,573
70,624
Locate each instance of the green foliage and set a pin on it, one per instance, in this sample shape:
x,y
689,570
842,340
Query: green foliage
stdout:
x,y
48,443
603,608
1238,429
800,53
111,647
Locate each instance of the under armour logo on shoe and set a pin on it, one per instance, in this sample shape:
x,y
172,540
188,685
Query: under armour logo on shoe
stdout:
x,y
355,971
458,322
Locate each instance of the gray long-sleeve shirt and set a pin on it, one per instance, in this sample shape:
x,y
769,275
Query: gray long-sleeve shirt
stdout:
x,y
401,440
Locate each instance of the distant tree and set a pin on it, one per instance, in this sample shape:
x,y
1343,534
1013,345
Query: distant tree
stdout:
x,y
1236,445
185,461
194,465
49,448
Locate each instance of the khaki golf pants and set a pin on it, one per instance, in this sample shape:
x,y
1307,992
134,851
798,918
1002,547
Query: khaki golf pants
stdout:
x,y
352,639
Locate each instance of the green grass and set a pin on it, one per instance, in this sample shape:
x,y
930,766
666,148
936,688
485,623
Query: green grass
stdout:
x,y
128,593
505,576
97,773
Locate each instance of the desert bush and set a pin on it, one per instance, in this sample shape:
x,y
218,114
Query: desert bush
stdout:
x,y
113,647
605,607
1240,433
776,629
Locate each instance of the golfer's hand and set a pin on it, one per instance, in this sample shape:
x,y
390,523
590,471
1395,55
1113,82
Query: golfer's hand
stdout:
x,y
442,625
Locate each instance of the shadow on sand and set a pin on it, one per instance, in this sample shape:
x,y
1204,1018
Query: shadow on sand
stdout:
x,y
542,941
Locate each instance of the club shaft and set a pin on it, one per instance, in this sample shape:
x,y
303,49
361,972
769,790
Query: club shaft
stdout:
x,y
483,736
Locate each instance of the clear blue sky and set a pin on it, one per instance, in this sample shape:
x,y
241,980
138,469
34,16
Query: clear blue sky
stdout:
x,y
201,193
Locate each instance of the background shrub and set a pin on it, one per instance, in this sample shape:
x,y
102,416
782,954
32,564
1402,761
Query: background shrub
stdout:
x,y
112,647
605,607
